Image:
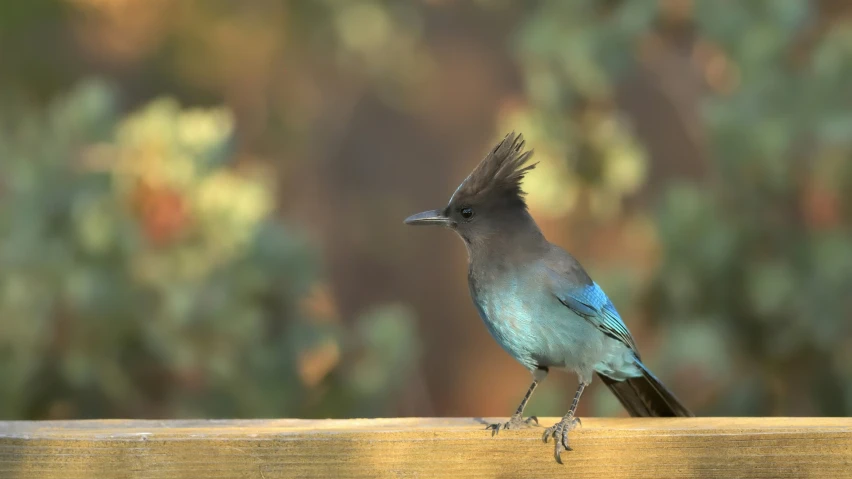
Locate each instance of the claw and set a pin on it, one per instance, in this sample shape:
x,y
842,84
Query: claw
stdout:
x,y
559,432
516,422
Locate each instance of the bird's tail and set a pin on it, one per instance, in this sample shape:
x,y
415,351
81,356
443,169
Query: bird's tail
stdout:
x,y
645,396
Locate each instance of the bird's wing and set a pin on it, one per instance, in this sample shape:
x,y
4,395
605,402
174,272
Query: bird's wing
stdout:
x,y
591,303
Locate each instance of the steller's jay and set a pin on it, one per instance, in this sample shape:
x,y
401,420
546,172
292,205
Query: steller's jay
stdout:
x,y
537,301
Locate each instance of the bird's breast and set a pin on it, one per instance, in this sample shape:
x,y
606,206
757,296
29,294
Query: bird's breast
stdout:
x,y
528,321
511,309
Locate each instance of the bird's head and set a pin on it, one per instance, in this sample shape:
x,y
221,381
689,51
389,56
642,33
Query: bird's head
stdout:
x,y
490,198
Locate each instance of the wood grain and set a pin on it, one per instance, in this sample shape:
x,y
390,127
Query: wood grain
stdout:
x,y
421,448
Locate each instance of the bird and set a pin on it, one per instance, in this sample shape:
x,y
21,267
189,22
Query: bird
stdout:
x,y
537,301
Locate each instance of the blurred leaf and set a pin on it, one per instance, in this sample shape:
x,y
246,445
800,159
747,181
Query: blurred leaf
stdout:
x,y
143,277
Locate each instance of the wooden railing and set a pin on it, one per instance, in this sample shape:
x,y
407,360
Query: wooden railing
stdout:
x,y
423,448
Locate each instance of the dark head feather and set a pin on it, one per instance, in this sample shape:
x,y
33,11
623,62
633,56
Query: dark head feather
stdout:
x,y
498,176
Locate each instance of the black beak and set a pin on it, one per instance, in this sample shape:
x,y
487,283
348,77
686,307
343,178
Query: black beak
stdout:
x,y
433,217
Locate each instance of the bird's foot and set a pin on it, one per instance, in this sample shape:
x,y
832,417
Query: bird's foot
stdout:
x,y
559,433
516,422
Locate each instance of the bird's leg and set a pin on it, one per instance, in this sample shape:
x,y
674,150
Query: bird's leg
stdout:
x,y
559,431
517,420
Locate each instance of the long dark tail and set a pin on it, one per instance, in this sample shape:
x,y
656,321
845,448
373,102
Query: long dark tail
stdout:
x,y
646,396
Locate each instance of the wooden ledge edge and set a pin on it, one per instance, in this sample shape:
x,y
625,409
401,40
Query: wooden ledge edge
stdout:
x,y
259,428
689,448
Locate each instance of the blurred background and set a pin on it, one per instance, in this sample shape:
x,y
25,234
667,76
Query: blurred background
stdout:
x,y
201,201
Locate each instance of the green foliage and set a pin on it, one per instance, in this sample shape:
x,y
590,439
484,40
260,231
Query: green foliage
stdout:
x,y
143,276
765,250
572,54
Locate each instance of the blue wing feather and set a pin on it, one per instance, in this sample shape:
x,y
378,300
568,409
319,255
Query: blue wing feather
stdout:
x,y
590,302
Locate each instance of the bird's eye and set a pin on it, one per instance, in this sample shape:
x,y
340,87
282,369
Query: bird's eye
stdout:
x,y
466,213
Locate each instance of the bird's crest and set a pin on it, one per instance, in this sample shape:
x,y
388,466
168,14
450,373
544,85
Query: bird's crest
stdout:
x,y
499,175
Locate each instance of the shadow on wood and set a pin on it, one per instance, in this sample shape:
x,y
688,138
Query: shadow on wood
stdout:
x,y
448,448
